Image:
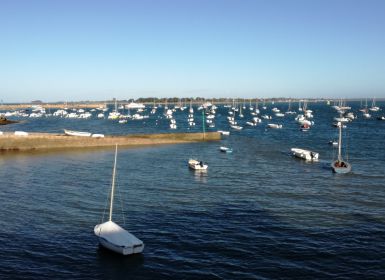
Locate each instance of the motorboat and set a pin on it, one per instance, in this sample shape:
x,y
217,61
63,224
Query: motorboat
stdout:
x,y
197,165
304,154
225,149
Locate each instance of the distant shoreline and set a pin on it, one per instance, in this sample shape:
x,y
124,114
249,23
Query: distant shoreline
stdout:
x,y
102,104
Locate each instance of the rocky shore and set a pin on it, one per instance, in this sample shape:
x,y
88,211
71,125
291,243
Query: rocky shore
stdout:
x,y
4,121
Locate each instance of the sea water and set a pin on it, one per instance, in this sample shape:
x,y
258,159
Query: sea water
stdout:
x,y
257,213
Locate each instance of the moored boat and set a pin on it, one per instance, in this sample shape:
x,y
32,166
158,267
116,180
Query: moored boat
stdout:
x,y
340,165
304,154
197,165
273,125
77,133
225,149
111,235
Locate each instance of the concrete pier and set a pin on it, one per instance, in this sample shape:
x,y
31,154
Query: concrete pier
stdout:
x,y
51,141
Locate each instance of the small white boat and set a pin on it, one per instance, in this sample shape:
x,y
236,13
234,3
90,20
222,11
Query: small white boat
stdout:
x,y
77,133
304,154
97,135
224,132
21,133
236,127
134,105
111,235
225,149
273,125
197,165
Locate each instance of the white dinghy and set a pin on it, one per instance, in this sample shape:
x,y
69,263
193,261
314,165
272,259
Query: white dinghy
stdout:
x,y
77,133
111,235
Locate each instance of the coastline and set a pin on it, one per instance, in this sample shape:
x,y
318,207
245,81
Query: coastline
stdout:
x,y
51,141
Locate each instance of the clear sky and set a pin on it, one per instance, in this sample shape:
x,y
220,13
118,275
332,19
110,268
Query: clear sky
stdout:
x,y
95,50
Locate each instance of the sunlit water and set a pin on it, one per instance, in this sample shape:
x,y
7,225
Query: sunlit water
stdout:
x,y
257,213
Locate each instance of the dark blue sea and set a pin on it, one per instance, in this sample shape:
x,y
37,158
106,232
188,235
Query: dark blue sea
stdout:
x,y
257,213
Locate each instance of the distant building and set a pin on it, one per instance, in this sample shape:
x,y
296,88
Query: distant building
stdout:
x,y
37,102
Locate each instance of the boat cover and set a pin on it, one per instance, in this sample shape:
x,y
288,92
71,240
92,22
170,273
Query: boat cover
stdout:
x,y
116,235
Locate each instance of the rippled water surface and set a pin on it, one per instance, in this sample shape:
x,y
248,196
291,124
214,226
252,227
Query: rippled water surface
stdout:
x,y
257,213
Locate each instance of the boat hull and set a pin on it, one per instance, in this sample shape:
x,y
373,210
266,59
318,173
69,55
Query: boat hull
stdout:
x,y
77,133
196,165
304,154
119,249
113,237
337,168
225,150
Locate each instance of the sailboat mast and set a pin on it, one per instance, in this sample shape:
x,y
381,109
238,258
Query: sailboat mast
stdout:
x,y
203,123
113,183
339,141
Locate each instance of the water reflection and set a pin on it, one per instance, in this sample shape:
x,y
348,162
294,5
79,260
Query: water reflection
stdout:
x,y
200,176
116,266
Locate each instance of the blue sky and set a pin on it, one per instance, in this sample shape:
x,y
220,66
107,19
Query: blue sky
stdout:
x,y
96,50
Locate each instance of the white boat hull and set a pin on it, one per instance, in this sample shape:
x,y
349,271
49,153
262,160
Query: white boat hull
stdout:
x,y
197,165
341,169
225,149
113,237
77,133
304,154
120,250
273,125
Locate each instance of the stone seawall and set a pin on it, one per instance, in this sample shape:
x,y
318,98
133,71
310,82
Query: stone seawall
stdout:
x,y
51,141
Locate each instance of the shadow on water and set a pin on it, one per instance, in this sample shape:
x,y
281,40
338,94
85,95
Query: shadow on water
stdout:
x,y
115,266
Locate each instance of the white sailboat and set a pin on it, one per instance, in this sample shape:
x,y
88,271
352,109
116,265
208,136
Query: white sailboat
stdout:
x,y
111,235
374,108
340,166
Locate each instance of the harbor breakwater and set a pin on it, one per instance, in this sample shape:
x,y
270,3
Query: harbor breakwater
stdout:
x,y
51,141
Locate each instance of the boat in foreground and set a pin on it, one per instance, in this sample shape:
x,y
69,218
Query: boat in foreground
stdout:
x,y
340,166
197,165
111,235
304,154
